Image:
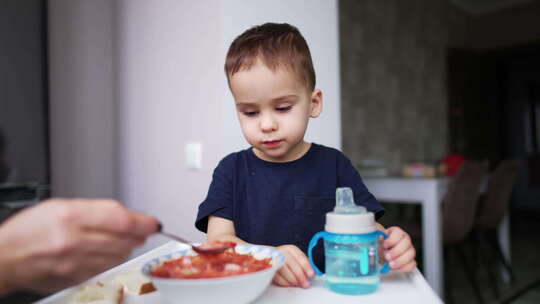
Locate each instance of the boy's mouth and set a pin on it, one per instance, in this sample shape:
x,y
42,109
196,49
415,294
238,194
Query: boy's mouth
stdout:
x,y
272,143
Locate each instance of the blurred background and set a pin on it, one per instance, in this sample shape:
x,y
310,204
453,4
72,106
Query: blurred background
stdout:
x,y
128,99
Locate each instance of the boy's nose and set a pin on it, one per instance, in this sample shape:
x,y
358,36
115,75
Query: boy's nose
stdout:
x,y
268,124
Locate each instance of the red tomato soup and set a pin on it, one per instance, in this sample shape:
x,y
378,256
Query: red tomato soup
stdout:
x,y
228,263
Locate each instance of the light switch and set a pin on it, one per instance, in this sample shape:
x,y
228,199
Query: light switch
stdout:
x,y
194,155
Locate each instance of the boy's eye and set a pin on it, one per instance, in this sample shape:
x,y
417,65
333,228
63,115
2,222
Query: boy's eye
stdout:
x,y
250,113
284,109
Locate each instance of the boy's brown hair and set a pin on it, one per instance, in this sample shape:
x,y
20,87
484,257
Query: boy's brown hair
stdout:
x,y
276,45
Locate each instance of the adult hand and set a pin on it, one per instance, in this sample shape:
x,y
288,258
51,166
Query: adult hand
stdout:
x,y
62,242
297,271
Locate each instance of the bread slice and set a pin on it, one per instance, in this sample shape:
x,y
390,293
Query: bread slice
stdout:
x,y
111,293
135,282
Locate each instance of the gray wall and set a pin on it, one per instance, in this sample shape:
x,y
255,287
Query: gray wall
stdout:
x,y
82,108
393,80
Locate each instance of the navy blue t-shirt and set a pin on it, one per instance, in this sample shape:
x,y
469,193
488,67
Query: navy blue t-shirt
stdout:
x,y
282,203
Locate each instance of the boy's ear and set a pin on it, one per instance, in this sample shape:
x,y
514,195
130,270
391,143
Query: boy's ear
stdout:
x,y
316,104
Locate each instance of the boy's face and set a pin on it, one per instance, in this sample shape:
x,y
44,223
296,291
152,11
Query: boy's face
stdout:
x,y
274,109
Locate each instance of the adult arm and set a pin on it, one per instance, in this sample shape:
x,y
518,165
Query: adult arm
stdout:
x,y
61,242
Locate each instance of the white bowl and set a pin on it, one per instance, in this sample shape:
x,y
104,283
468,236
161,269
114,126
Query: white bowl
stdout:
x,y
237,289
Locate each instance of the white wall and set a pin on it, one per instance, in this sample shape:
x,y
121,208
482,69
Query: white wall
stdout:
x,y
170,89
317,20
170,92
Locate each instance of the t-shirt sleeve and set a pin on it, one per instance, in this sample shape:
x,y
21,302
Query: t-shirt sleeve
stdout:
x,y
219,200
349,177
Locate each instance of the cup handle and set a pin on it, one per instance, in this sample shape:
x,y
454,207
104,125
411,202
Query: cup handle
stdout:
x,y
385,268
312,244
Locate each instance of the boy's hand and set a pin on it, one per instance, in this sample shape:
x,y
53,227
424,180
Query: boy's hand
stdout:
x,y
398,250
297,271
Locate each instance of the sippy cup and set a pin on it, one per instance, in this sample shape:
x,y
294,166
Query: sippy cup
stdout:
x,y
351,247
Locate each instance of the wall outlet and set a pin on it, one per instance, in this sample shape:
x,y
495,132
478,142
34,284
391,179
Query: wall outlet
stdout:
x,y
194,155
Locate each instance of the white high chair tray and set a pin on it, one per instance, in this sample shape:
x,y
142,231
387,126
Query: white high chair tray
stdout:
x,y
395,287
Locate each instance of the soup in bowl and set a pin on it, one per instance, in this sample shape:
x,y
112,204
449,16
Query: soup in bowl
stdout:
x,y
238,275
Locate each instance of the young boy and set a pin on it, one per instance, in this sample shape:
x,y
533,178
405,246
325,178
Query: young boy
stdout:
x,y
277,192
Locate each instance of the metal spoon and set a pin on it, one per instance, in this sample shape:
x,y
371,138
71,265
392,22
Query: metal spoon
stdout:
x,y
203,249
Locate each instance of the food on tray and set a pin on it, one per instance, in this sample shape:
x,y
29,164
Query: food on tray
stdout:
x,y
135,282
228,263
112,293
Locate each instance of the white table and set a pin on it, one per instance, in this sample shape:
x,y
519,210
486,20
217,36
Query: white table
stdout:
x,y
429,193
396,287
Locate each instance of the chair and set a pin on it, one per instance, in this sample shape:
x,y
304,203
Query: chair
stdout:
x,y
498,193
460,202
492,211
458,214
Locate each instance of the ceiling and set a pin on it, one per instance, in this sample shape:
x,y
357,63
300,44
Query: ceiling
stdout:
x,y
481,7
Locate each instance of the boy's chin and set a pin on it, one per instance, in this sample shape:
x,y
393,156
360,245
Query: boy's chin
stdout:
x,y
275,156
271,154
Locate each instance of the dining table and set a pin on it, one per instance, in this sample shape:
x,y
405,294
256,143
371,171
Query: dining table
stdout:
x,y
397,287
429,193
